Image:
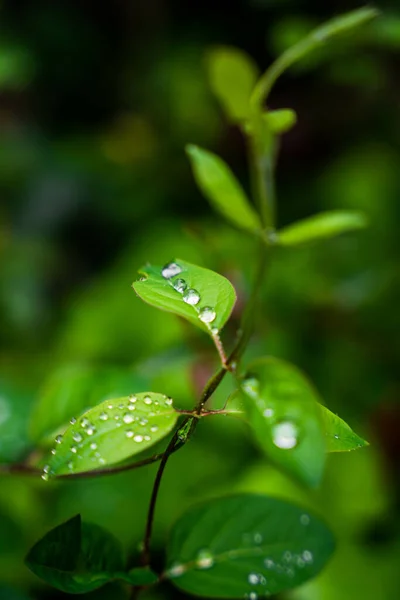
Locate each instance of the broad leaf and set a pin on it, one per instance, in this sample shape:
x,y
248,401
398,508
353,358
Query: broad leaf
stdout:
x,y
284,414
199,295
339,435
221,188
246,546
76,557
111,432
280,121
322,225
71,390
233,75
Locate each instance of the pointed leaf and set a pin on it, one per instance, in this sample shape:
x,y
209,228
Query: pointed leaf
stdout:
x,y
76,557
71,390
111,432
233,75
284,414
246,546
339,435
199,295
221,188
323,225
280,121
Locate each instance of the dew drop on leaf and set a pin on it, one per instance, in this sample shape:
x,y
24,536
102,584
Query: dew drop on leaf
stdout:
x,y
84,422
77,437
129,433
58,439
127,418
285,435
73,421
138,438
170,270
103,416
205,560
147,400
207,314
191,297
180,285
90,430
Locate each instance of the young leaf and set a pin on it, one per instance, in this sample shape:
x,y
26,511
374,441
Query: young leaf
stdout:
x,y
232,75
71,390
199,295
221,188
111,432
322,225
76,557
280,121
246,546
339,435
283,411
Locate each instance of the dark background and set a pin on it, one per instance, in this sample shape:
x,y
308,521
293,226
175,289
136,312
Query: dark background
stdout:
x,y
97,100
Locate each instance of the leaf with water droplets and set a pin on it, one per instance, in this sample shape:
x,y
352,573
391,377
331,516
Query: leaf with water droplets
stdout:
x,y
339,435
76,557
199,295
246,546
221,188
323,225
282,409
111,432
232,75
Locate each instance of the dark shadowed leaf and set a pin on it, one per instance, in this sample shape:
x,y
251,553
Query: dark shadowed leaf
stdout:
x,y
246,546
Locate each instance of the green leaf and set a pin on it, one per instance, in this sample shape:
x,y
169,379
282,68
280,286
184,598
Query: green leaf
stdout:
x,y
280,121
111,432
72,389
199,295
339,435
76,557
221,188
140,576
322,225
246,546
283,411
233,75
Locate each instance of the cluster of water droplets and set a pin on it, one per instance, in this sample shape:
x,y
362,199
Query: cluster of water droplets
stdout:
x,y
133,411
284,432
206,314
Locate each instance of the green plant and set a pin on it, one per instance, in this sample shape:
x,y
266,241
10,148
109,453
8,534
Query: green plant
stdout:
x,y
242,545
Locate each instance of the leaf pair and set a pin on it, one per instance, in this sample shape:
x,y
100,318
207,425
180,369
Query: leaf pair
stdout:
x,y
290,425
78,557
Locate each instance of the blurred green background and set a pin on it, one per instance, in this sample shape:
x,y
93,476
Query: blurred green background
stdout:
x,y
97,100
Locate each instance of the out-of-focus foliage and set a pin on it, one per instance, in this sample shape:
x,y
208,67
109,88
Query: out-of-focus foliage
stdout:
x,y
96,105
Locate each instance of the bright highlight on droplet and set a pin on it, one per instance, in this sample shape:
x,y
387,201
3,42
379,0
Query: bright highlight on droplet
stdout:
x,y
191,297
170,270
207,314
285,435
180,285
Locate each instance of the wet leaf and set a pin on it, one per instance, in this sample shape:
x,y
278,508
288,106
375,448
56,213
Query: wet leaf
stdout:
x,y
339,435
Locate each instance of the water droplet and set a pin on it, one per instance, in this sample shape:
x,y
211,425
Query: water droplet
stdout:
x,y
285,435
207,314
77,437
147,400
287,556
103,416
90,430
191,297
73,449
268,413
46,469
93,446
168,402
154,428
176,570
269,563
170,270
70,465
214,330
305,519
180,285
251,386
143,422
132,399
127,418
73,421
300,562
256,579
307,556
147,438
252,596
53,451
102,461
58,439
129,433
258,538
121,405
205,560
117,418
138,438
336,436
45,477
111,406
84,422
